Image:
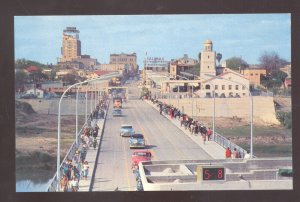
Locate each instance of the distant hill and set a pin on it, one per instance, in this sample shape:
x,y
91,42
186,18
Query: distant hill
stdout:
x,y
23,63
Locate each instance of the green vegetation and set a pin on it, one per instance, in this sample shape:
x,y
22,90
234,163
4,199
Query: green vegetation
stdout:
x,y
235,63
274,81
285,118
263,150
23,63
244,131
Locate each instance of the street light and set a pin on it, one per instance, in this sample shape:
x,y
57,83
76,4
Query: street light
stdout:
x,y
214,104
77,115
59,121
251,110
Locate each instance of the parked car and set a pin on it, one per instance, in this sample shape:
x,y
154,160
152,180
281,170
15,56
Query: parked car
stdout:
x,y
137,141
138,156
126,130
117,112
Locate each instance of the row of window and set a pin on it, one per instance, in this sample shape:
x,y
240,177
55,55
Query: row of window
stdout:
x,y
207,87
256,74
123,59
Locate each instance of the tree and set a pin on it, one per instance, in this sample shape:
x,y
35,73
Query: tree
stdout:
x,y
235,63
199,56
69,79
271,61
219,57
275,80
20,78
52,74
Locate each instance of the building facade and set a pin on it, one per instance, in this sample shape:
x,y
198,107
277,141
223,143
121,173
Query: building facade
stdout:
x,y
122,68
184,64
127,59
71,45
156,64
86,61
253,73
228,84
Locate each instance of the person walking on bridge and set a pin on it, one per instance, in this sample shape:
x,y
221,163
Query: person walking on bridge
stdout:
x,y
228,153
85,169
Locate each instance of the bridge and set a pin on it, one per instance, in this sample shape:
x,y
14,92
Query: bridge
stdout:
x,y
176,155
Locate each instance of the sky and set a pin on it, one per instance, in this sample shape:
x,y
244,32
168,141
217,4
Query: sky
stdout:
x,y
39,38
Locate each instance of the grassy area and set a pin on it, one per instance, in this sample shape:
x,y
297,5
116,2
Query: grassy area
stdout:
x,y
243,131
260,150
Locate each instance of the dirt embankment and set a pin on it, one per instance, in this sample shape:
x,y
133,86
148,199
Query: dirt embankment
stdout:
x,y
268,140
36,142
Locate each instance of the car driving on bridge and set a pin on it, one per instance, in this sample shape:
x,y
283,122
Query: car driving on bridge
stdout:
x,y
126,130
138,156
117,112
137,141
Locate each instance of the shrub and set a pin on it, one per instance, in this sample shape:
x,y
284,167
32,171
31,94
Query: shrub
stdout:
x,y
285,118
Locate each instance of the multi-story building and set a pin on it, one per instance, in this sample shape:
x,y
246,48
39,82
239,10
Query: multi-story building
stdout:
x,y
156,64
86,61
71,45
128,59
184,64
253,73
122,68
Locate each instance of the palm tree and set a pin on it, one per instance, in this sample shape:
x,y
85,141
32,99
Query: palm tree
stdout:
x,y
219,57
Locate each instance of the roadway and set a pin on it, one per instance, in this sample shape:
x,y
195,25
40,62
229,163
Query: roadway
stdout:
x,y
164,140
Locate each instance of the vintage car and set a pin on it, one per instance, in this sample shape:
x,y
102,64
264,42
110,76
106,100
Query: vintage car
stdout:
x,y
117,112
126,130
138,156
117,101
137,141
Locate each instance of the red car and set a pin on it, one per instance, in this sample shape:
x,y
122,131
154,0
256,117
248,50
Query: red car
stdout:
x,y
138,156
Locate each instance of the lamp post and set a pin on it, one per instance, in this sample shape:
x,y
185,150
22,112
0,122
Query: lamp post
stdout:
x,y
59,122
251,110
86,103
77,115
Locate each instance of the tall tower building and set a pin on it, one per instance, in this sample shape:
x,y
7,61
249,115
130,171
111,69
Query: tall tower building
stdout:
x,y
71,45
208,60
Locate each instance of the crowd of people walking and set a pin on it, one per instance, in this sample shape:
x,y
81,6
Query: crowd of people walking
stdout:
x,y
195,127
77,168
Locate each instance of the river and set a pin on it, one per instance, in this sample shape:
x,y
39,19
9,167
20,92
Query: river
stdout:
x,y
31,186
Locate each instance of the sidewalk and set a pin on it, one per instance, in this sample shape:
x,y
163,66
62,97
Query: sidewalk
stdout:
x,y
84,185
212,148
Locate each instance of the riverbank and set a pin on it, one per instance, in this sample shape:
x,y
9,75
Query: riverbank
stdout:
x,y
268,141
36,143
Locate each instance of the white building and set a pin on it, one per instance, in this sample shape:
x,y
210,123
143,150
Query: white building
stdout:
x,y
227,83
35,91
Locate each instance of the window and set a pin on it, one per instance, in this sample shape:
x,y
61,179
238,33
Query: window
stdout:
x,y
236,87
256,74
244,88
208,66
229,87
244,94
223,87
251,74
208,57
216,87
207,87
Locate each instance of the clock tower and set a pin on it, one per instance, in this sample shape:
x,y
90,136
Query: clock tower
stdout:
x,y
208,60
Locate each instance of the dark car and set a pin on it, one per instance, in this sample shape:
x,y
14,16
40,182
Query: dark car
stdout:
x,y
137,141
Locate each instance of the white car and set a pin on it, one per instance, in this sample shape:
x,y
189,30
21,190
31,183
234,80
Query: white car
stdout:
x,y
126,130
